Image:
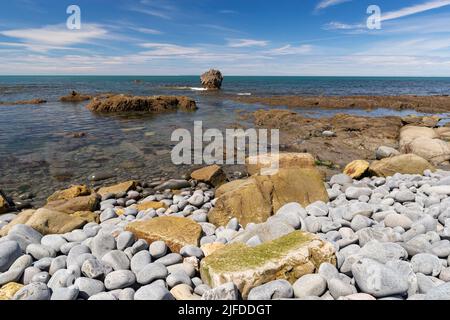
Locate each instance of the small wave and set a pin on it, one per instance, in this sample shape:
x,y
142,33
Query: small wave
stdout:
x,y
244,94
198,89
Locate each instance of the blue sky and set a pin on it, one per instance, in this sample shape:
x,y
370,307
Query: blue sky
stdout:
x,y
240,37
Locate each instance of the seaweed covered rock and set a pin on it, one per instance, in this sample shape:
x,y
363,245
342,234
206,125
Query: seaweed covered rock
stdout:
x,y
75,97
155,104
289,258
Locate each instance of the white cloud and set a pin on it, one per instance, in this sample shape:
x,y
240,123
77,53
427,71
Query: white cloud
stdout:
x,y
335,25
151,12
167,50
244,43
56,35
291,50
430,5
146,30
328,3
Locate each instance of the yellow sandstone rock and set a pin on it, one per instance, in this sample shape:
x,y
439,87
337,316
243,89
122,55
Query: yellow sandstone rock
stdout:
x,y
213,175
70,193
8,291
285,160
356,169
176,232
118,188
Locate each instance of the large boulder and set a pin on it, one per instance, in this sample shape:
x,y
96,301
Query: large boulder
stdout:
x,y
404,164
409,133
255,199
435,151
156,104
84,203
117,188
254,164
70,193
212,79
289,258
48,221
213,175
176,232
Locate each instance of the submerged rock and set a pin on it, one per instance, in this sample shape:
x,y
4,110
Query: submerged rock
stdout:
x,y
75,97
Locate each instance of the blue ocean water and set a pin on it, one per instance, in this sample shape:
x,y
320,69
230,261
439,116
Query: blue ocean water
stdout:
x,y
35,149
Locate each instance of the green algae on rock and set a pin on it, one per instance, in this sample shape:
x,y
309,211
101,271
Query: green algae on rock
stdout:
x,y
288,257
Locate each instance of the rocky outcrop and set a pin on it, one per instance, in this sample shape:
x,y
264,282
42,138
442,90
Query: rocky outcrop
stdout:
x,y
213,175
285,160
289,258
155,104
75,97
355,137
255,199
24,102
212,79
176,232
404,164
423,121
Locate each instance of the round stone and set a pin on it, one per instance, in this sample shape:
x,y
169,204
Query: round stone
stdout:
x,y
119,279
158,249
278,289
427,264
117,259
152,272
309,285
88,287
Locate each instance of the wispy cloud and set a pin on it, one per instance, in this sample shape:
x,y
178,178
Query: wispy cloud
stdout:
x,y
55,36
150,12
430,5
291,50
167,50
244,43
146,30
328,3
335,25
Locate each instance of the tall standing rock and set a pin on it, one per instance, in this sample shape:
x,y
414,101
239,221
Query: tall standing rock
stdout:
x,y
212,80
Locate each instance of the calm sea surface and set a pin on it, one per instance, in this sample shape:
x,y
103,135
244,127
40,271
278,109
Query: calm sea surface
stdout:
x,y
37,156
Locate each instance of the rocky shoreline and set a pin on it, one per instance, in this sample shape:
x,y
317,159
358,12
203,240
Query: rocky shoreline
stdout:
x,y
206,238
425,104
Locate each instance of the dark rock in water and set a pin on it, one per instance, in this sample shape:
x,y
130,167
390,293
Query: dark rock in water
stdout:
x,y
75,97
99,176
25,102
155,104
212,80
173,185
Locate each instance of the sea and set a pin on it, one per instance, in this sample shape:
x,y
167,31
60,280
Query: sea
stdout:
x,y
38,154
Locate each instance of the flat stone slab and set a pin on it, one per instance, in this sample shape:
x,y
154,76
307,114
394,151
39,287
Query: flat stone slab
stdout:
x,y
176,232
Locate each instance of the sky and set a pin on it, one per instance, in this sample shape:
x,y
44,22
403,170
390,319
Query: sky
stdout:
x,y
239,37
